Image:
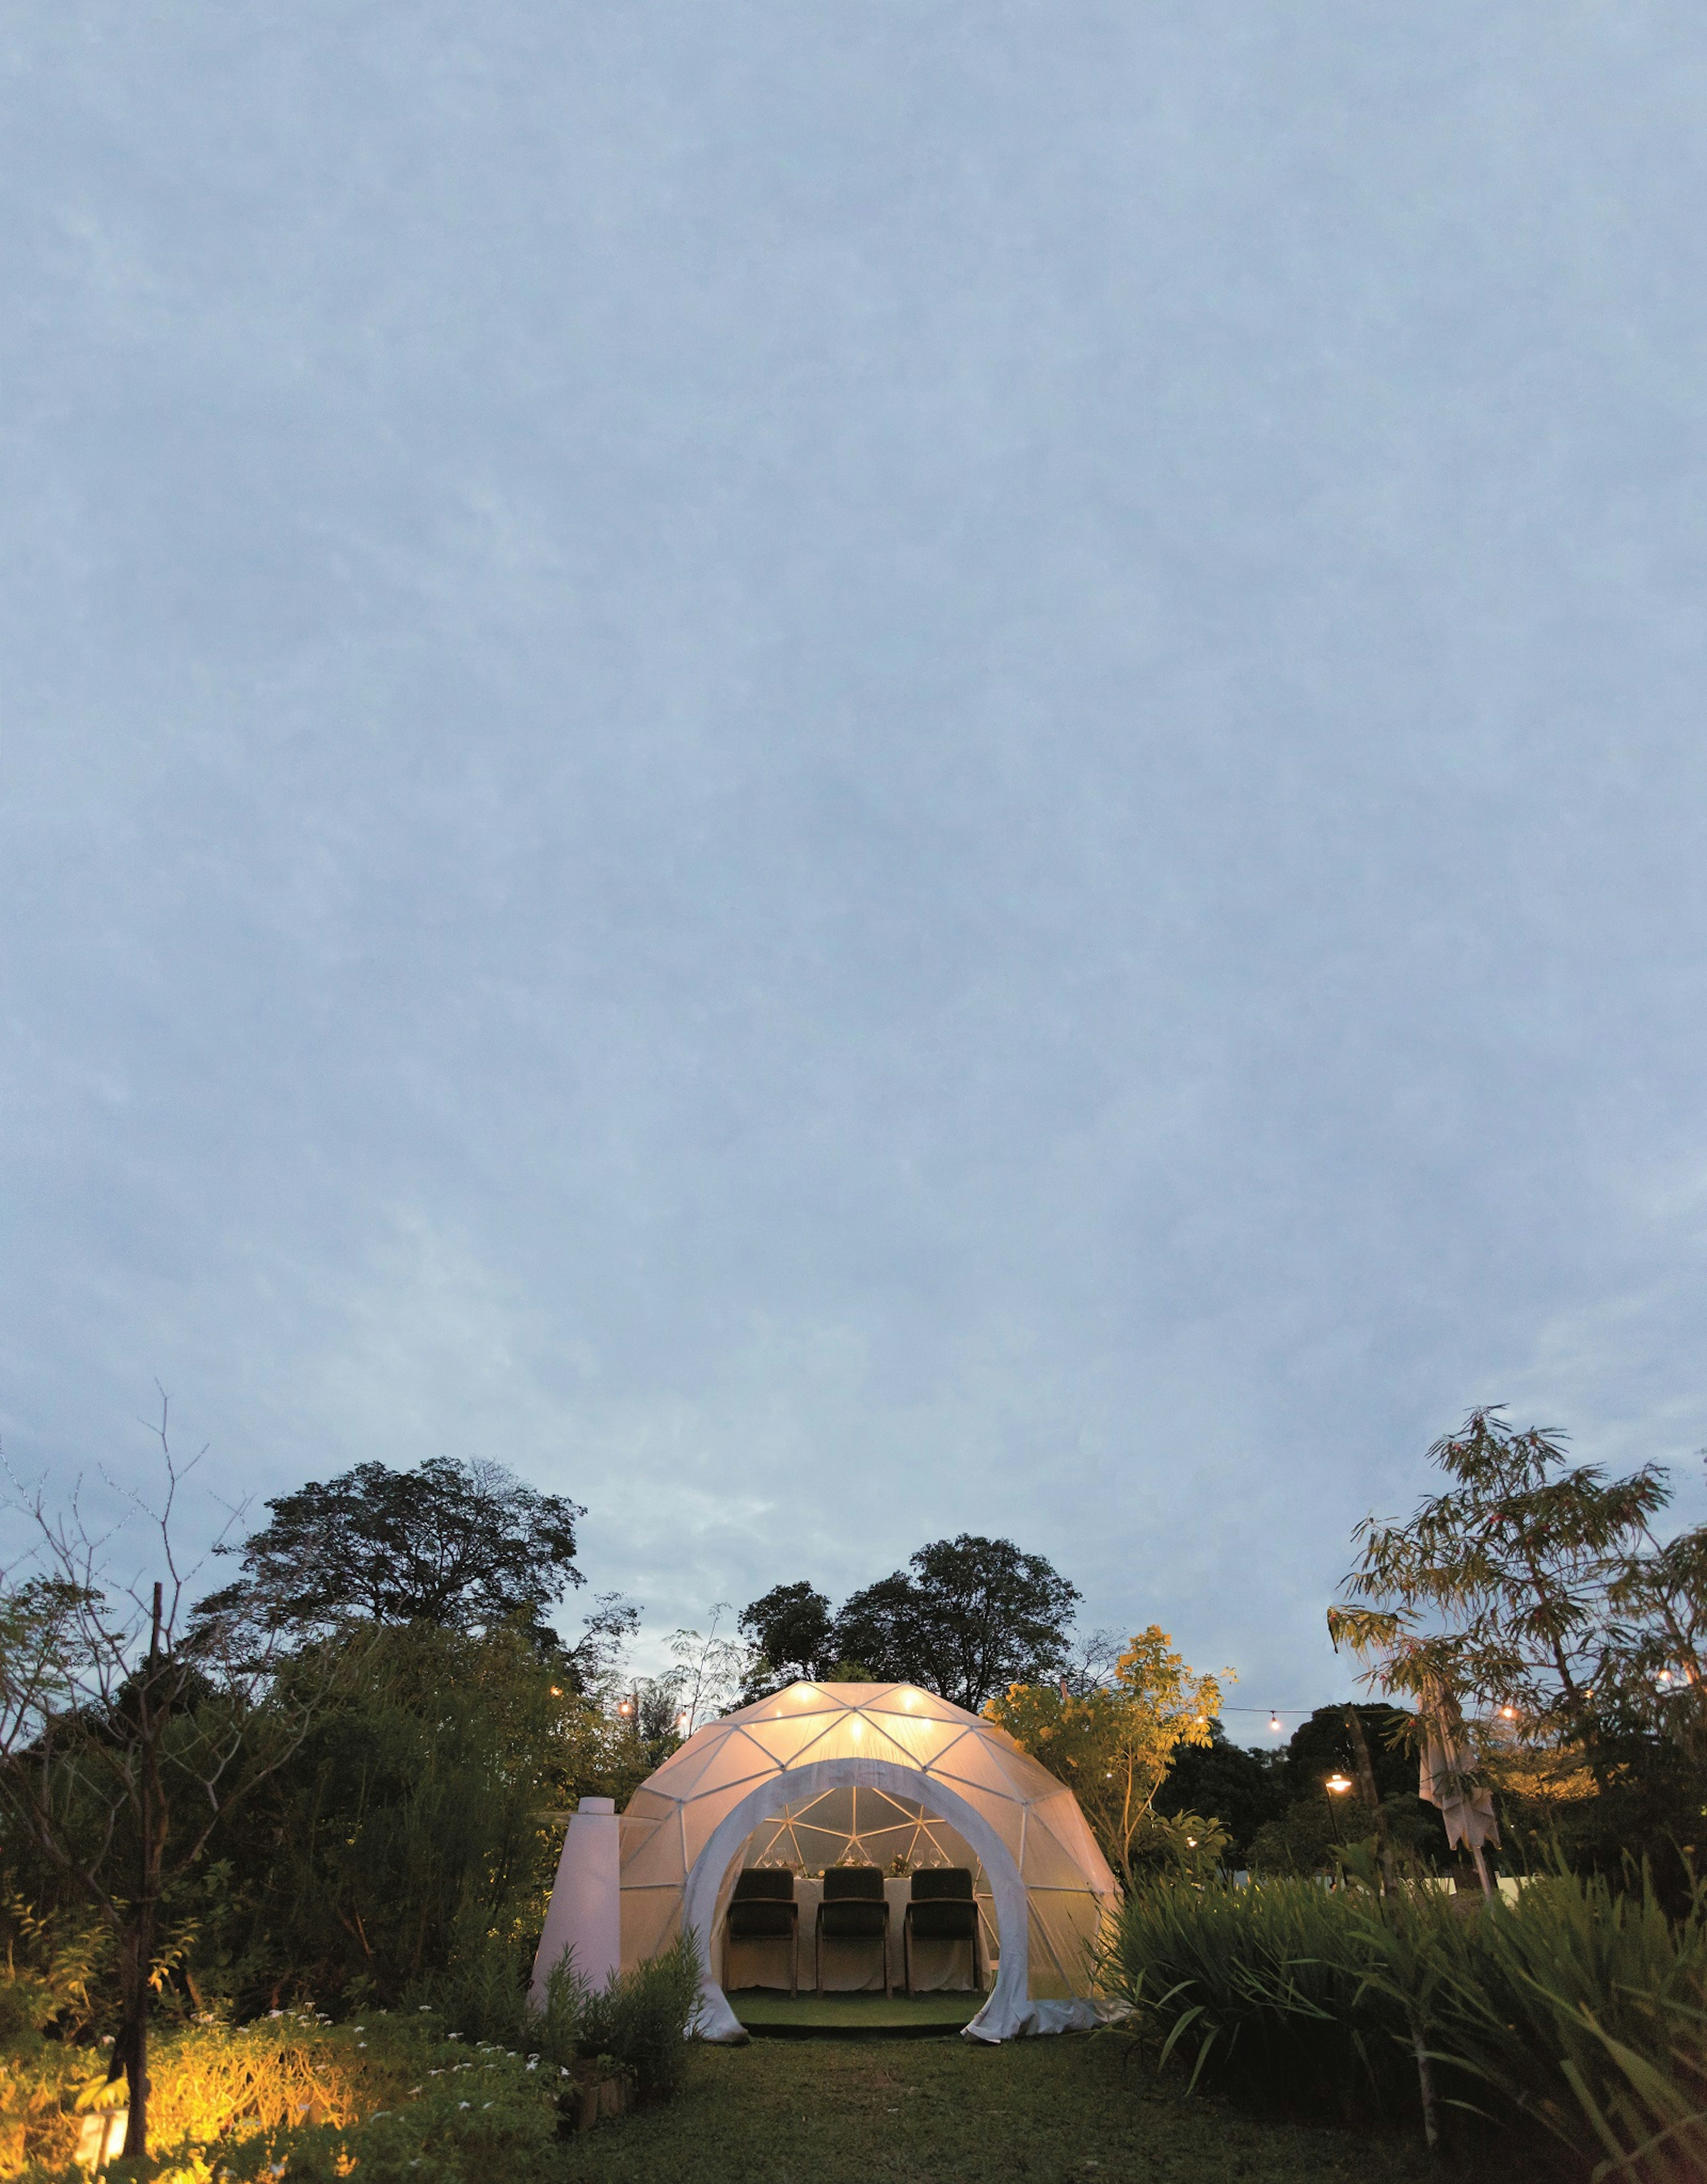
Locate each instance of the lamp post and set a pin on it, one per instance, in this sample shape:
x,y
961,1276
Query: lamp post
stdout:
x,y
1336,1786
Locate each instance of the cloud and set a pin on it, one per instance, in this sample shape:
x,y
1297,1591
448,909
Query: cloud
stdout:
x,y
845,774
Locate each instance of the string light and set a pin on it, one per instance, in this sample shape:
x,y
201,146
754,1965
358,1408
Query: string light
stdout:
x,y
1274,1724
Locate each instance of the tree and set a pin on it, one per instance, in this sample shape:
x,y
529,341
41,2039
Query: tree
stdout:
x,y
1323,1745
415,1833
1242,1789
464,1545
1112,1745
1541,1594
709,1671
1532,1586
968,1616
125,1739
788,1629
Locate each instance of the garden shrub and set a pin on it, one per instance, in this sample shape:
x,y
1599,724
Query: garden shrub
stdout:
x,y
641,2018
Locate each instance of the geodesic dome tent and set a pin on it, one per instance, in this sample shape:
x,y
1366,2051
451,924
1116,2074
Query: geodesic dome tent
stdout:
x,y
786,1776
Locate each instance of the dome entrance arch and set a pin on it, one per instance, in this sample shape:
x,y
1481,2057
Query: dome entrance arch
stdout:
x,y
712,1875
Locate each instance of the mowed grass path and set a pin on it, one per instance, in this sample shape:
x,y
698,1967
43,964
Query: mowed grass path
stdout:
x,y
1062,2111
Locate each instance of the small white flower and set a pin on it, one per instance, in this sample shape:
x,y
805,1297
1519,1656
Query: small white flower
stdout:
x,y
533,2062
462,2104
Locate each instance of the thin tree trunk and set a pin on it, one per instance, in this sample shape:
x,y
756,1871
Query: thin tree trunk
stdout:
x,y
1425,2082
131,2050
1368,1792
137,1947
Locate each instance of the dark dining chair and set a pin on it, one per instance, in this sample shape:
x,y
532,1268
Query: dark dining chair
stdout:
x,y
763,1906
943,1908
855,1909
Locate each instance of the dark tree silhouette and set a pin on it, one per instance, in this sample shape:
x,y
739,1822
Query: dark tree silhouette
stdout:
x,y
966,1619
459,1545
789,1630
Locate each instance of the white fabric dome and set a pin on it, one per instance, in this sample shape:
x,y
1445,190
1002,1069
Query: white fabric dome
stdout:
x,y
687,1827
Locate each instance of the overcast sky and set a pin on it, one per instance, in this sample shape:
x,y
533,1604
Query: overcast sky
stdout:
x,y
844,771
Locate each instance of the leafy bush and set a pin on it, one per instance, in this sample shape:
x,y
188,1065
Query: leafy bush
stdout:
x,y
641,2019
403,2094
1579,2008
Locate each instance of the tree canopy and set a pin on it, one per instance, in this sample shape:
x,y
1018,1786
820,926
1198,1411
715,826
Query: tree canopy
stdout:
x,y
966,1618
1539,1590
1112,1744
461,1544
789,1629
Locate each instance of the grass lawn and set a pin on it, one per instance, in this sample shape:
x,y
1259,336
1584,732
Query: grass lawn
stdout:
x,y
857,2112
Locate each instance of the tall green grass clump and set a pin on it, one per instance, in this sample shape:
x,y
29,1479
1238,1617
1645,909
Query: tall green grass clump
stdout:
x,y
1256,1992
1584,2009
1581,2008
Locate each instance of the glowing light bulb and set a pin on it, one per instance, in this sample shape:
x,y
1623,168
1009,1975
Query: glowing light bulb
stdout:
x,y
1338,1784
1274,1724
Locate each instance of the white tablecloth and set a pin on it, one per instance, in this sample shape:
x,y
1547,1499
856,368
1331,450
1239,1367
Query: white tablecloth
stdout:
x,y
938,1967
